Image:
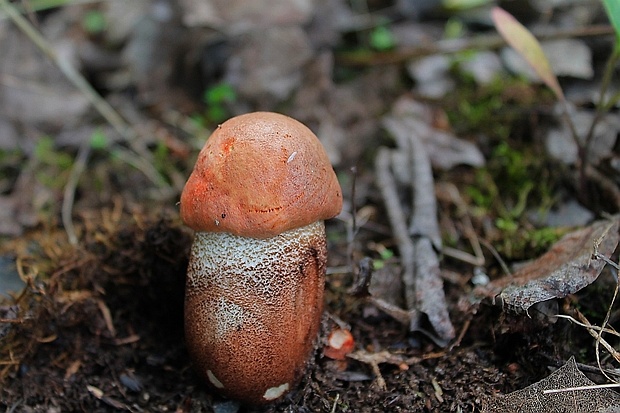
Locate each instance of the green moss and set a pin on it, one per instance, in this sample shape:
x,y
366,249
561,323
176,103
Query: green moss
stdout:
x,y
514,182
53,166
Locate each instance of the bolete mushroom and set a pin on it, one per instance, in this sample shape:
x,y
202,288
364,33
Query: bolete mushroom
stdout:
x,y
257,198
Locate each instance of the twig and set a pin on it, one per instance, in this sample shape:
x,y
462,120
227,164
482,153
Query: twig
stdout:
x,y
421,275
599,340
451,46
601,107
49,5
420,264
335,403
496,255
592,387
423,221
607,184
352,225
363,277
12,320
595,328
69,193
455,198
373,360
398,221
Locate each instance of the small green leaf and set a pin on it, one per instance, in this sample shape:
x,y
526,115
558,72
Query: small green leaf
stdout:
x,y
220,93
381,39
94,22
520,39
454,29
98,139
386,254
43,148
456,5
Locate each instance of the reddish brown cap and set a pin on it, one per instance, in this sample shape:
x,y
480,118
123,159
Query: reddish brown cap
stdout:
x,y
258,175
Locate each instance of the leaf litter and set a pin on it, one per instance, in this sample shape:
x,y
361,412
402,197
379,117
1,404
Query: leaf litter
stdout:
x,y
565,269
544,397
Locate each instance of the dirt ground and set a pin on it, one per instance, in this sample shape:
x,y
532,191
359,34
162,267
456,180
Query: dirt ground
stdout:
x,y
98,325
104,333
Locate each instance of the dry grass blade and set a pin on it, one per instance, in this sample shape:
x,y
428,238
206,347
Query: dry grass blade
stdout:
x,y
139,159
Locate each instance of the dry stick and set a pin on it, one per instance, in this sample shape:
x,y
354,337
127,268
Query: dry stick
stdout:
x,y
398,222
602,106
607,184
424,218
599,340
12,320
30,8
352,225
69,193
425,229
599,336
411,164
590,326
481,42
456,199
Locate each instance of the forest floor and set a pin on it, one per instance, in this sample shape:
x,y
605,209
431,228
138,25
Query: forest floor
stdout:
x,y
93,254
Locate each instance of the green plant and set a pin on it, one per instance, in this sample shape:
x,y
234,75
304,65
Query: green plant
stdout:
x,y
384,255
513,183
53,165
382,39
99,139
217,97
94,22
522,40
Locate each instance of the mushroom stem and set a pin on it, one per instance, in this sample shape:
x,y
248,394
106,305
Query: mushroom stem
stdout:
x,y
256,303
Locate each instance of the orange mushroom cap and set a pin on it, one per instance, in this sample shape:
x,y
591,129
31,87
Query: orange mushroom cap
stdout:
x,y
258,175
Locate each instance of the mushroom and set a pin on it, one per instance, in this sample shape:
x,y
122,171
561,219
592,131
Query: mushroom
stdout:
x,y
256,199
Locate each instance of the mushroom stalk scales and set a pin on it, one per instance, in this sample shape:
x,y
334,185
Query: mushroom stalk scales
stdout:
x,y
255,332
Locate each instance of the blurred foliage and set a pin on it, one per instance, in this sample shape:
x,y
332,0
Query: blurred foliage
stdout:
x,y
217,98
11,162
493,108
612,7
99,139
53,165
382,39
513,183
94,22
384,255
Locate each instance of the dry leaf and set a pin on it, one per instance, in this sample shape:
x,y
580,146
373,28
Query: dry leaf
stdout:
x,y
565,269
520,38
534,399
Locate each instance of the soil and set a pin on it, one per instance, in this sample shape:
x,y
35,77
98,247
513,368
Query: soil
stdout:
x,y
104,333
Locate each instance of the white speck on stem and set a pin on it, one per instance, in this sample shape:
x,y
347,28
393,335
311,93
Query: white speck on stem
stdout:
x,y
214,380
273,393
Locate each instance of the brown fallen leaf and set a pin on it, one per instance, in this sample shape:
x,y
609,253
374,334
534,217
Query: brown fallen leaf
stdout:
x,y
544,397
565,269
